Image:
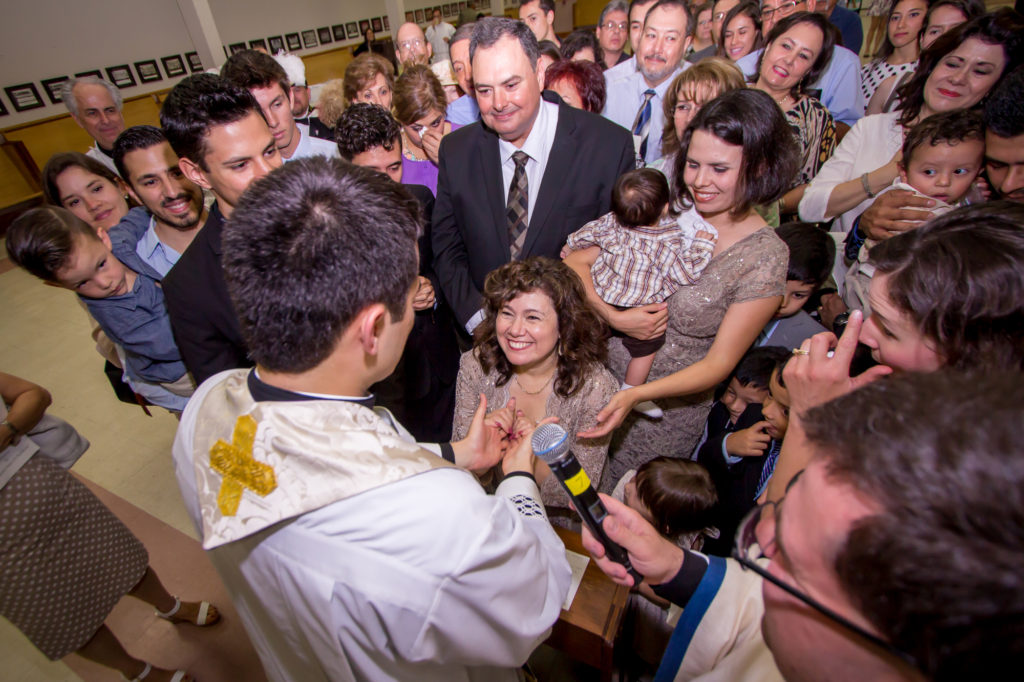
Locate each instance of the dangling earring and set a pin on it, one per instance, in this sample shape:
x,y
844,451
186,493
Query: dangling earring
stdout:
x,y
558,348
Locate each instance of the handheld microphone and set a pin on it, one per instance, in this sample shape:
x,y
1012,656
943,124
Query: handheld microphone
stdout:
x,y
551,443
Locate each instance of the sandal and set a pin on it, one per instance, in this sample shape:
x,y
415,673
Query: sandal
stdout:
x,y
203,618
178,676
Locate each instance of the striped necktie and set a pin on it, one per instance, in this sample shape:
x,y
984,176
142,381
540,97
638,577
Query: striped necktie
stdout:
x,y
518,206
642,126
769,467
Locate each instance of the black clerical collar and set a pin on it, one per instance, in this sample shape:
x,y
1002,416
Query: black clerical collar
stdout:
x,y
108,154
264,392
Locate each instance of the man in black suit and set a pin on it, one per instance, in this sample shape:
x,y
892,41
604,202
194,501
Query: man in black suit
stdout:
x,y
493,203
223,143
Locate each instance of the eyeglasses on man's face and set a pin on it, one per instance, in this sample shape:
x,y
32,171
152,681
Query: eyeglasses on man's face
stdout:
x,y
783,10
410,44
748,551
615,25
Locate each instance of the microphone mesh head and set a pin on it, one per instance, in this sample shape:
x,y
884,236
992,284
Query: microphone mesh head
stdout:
x,y
550,442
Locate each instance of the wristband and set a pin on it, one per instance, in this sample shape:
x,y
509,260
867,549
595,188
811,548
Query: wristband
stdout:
x,y
866,186
854,240
14,429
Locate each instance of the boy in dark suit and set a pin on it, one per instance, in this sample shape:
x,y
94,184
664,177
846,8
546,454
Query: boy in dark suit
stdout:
x,y
739,439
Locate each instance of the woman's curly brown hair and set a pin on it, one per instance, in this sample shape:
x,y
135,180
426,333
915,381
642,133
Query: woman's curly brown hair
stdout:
x,y
581,333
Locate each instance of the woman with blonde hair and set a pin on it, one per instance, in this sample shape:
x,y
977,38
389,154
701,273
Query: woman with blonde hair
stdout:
x,y
369,78
331,103
692,89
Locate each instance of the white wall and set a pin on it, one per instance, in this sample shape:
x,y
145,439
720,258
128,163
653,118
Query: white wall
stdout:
x,y
42,39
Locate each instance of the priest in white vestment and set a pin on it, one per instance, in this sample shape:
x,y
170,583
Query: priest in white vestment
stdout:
x,y
350,551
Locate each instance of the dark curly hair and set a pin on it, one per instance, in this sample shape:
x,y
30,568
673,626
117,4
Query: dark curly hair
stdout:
x,y
581,333
365,126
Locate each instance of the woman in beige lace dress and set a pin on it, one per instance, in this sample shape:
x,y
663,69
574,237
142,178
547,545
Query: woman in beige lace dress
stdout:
x,y
738,152
541,344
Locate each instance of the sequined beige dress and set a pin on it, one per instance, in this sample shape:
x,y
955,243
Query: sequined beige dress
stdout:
x,y
752,268
576,413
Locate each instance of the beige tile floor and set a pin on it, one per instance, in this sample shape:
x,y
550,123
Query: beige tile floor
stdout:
x,y
44,337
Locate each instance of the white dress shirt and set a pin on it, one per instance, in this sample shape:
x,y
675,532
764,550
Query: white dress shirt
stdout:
x,y
537,146
313,146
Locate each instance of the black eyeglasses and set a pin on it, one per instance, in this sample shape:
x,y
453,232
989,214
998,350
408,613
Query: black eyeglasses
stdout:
x,y
748,551
784,7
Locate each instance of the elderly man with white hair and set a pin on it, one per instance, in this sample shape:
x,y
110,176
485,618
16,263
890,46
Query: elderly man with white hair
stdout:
x,y
96,105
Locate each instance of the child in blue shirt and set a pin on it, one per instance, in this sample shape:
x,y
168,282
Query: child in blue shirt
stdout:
x,y
62,250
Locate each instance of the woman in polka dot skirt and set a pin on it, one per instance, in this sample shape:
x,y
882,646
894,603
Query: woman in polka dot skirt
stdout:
x,y
65,559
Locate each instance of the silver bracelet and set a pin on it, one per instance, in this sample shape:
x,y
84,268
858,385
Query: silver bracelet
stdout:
x,y
14,429
866,186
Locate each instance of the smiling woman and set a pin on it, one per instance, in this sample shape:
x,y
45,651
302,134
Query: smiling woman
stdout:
x,y
798,50
956,72
737,153
85,187
541,345
741,32
900,48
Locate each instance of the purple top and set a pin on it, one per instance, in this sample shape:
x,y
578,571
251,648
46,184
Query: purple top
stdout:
x,y
422,172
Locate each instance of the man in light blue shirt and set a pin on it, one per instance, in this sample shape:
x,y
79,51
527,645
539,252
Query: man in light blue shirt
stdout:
x,y
839,85
464,110
637,13
635,99
174,211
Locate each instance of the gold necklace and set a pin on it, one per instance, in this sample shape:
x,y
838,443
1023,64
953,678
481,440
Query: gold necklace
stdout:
x,y
539,390
764,89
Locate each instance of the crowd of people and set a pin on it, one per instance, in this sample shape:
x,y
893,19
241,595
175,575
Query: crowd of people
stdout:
x,y
737,267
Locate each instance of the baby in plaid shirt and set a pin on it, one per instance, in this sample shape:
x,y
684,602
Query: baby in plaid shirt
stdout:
x,y
648,250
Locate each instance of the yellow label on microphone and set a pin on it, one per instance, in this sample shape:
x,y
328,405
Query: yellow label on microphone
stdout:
x,y
578,483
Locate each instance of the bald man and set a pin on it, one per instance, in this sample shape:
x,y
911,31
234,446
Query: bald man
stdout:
x,y
412,45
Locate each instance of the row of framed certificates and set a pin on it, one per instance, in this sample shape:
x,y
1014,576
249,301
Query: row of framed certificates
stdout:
x,y
26,96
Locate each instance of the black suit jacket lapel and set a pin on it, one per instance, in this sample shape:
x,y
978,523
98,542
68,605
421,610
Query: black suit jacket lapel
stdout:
x,y
490,164
556,175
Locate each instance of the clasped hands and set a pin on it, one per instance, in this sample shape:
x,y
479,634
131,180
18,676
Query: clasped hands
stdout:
x,y
499,436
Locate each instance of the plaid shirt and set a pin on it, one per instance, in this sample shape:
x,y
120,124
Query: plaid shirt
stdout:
x,y
643,265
